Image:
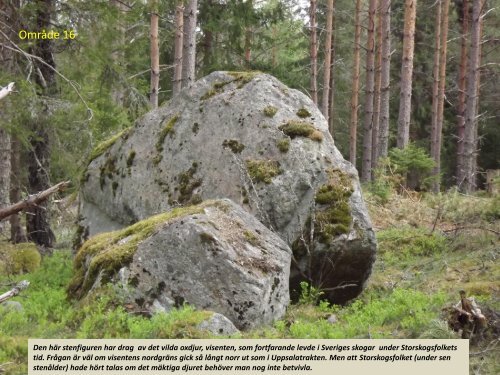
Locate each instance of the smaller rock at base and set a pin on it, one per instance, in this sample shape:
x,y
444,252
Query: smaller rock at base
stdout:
x,y
332,319
218,324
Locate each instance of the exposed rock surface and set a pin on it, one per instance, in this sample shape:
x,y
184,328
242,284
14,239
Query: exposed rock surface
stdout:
x,y
218,324
214,256
249,138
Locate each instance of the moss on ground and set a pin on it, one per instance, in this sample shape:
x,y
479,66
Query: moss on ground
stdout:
x,y
19,258
263,170
299,128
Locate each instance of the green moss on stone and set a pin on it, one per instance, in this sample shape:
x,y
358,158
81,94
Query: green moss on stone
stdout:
x,y
130,159
242,78
211,92
166,130
299,128
263,170
114,186
234,145
105,253
270,111
283,145
102,147
108,169
187,184
303,113
333,214
251,238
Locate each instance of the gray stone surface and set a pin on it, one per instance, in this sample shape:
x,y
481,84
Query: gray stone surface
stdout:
x,y
221,259
218,324
218,128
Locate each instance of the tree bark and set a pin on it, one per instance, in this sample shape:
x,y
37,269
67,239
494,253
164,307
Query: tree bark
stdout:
x,y
406,74
441,94
462,74
328,58
472,93
435,84
355,86
385,79
155,55
189,41
5,169
179,28
37,217
313,52
33,200
17,233
376,94
366,166
331,116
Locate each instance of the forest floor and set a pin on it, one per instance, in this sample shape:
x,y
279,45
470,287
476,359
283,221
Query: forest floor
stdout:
x,y
430,247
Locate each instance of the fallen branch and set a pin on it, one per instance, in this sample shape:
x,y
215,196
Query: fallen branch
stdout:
x,y
14,291
32,200
6,90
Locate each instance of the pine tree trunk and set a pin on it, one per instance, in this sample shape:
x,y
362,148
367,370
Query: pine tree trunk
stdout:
x,y
117,47
472,93
189,41
331,103
462,74
313,52
366,166
435,83
355,86
5,169
37,218
328,58
376,94
385,79
155,55
442,86
406,74
17,233
179,36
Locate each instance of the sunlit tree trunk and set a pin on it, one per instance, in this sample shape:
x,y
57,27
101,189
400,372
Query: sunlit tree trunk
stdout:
x,y
355,86
179,33
436,77
313,52
406,74
462,74
366,166
376,94
328,58
385,78
189,41
472,94
155,55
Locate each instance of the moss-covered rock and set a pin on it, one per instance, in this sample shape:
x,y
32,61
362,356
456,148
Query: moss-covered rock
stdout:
x,y
303,113
233,145
263,170
270,111
298,128
283,145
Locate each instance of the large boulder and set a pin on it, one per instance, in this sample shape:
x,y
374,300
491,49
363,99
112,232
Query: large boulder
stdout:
x,y
249,138
214,256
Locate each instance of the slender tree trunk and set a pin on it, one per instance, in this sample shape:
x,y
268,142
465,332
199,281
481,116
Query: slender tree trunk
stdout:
x,y
328,58
37,218
406,74
376,94
366,167
117,48
313,52
355,86
17,233
189,41
5,171
155,56
385,79
331,104
435,84
471,110
441,94
179,36
462,74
